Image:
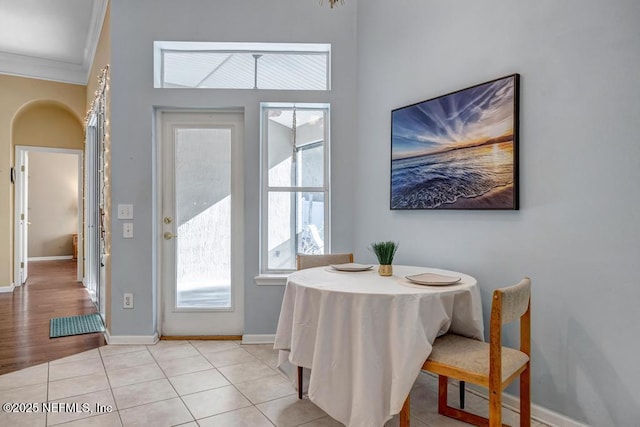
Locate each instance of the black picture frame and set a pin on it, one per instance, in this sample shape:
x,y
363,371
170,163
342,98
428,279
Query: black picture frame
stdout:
x,y
459,150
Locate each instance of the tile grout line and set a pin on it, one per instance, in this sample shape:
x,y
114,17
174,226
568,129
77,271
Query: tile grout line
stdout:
x,y
194,419
247,397
230,383
81,394
110,387
234,386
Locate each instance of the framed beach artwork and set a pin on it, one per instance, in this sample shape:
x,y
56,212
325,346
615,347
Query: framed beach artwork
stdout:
x,y
458,151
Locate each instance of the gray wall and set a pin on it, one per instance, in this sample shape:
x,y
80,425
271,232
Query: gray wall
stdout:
x,y
577,234
577,231
135,25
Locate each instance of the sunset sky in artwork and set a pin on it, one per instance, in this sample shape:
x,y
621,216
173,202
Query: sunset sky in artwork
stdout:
x,y
464,118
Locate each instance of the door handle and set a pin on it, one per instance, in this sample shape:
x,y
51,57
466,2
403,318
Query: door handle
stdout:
x,y
168,235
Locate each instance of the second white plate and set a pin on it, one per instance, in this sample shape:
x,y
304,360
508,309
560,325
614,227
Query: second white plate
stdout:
x,y
433,279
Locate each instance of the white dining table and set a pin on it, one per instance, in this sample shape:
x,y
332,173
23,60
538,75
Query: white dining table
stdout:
x,y
364,337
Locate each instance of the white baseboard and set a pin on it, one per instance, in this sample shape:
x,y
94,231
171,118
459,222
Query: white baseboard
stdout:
x,y
130,339
7,289
50,258
259,339
538,413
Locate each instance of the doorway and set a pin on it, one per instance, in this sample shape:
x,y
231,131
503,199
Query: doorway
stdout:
x,y
200,223
59,224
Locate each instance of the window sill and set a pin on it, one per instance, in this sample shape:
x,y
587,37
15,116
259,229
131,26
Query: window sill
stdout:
x,y
271,279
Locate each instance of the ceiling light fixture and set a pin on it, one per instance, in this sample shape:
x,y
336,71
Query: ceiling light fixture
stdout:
x,y
333,2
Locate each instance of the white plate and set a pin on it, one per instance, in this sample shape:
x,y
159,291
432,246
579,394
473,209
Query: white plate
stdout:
x,y
433,279
351,266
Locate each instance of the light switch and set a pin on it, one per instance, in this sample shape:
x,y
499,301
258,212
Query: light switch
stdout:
x,y
127,230
125,211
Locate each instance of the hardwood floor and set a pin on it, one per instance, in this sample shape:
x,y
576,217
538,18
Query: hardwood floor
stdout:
x,y
51,291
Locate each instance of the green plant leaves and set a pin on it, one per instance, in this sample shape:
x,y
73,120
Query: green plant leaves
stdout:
x,y
384,251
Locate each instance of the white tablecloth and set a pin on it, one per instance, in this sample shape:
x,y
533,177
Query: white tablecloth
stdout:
x,y
365,337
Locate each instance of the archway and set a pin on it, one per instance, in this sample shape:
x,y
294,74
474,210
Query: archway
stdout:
x,y
52,132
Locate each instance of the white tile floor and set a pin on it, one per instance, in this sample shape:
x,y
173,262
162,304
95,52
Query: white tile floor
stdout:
x,y
185,383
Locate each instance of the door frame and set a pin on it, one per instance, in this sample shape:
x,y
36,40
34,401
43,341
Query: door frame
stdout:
x,y
19,196
92,263
158,224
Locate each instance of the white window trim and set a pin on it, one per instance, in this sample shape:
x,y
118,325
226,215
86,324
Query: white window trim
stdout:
x,y
271,279
279,277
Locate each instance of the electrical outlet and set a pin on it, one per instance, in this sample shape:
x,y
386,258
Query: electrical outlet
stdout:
x,y
128,300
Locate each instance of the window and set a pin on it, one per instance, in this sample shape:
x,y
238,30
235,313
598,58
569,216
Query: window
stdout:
x,y
295,184
288,66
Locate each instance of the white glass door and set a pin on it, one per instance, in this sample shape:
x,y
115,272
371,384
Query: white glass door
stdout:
x,y
201,224
22,216
91,212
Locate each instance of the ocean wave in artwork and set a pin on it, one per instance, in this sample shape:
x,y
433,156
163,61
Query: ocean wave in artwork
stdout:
x,y
439,180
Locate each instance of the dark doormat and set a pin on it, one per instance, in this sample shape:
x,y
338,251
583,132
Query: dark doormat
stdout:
x,y
75,325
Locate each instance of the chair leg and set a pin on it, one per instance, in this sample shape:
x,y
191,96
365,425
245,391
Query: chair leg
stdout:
x,y
525,397
455,413
495,408
299,382
462,388
405,413
443,384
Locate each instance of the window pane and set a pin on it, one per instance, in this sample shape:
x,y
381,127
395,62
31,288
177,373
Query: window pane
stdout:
x,y
293,71
203,216
308,168
310,230
207,70
236,71
281,235
311,161
295,225
280,148
245,66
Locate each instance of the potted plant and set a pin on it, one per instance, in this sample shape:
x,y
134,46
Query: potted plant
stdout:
x,y
385,252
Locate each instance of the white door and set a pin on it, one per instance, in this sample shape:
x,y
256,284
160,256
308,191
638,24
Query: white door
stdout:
x,y
22,215
200,230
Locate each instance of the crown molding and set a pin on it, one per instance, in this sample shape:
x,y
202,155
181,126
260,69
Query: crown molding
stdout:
x,y
59,71
97,20
39,68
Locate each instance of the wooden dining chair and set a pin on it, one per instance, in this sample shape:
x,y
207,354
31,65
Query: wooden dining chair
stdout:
x,y
310,261
490,365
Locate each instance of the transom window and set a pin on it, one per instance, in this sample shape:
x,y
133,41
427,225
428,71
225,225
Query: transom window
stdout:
x,y
295,183
286,66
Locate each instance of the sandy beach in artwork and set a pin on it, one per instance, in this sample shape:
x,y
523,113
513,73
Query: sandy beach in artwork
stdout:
x,y
497,198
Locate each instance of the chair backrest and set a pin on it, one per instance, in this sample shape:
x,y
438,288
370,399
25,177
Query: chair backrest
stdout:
x,y
310,261
514,300
509,304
